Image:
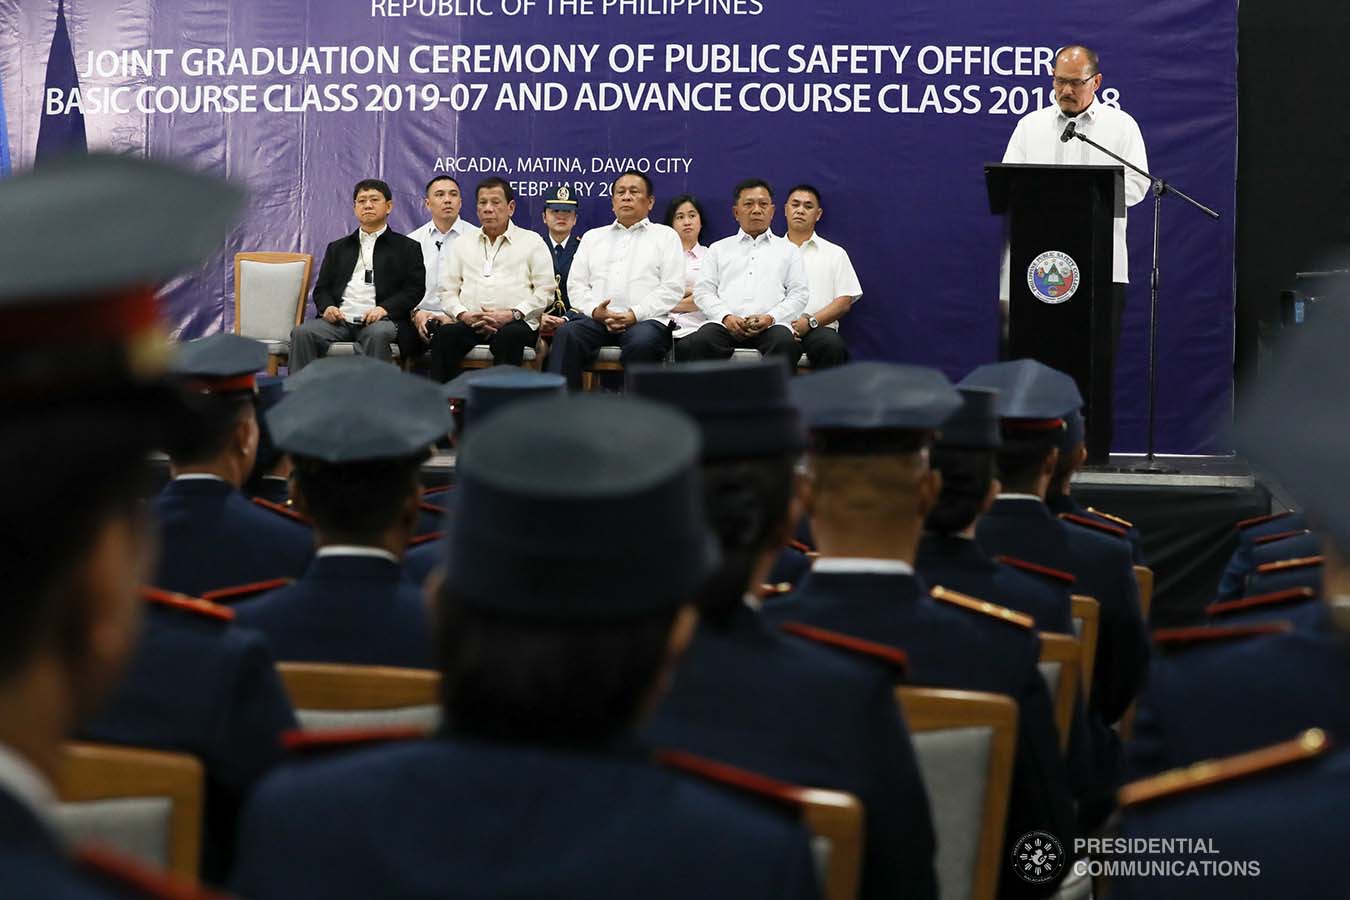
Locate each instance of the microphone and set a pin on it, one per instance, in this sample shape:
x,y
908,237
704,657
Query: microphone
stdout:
x,y
1068,132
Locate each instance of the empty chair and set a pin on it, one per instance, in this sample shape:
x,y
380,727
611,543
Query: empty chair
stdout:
x,y
1061,666
145,803
329,697
269,299
1086,614
965,742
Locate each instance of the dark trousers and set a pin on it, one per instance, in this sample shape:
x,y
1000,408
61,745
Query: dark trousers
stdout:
x,y
576,344
824,347
452,342
713,341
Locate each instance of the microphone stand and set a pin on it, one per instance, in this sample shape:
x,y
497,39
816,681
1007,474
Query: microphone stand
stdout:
x,y
1160,187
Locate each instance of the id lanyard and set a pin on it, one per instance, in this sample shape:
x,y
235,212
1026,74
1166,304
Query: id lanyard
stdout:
x,y
488,261
369,266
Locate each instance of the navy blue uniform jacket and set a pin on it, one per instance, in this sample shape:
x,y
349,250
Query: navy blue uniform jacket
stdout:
x,y
959,564
750,696
358,610
33,863
952,647
212,536
472,819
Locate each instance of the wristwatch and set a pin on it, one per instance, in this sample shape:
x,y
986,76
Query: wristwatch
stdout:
x,y
812,322
517,315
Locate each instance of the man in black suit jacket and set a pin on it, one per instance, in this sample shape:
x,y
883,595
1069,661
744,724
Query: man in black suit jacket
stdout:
x,y
369,281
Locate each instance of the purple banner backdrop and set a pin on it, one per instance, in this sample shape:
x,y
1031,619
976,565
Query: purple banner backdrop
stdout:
x,y
899,168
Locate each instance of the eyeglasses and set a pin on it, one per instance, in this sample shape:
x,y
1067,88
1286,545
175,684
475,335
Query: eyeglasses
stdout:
x,y
1073,82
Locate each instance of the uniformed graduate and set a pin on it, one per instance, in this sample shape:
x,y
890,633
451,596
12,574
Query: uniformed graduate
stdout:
x,y
357,478
1072,456
752,696
1237,687
211,535
870,488
270,479
560,218
1033,400
486,392
1250,532
551,651
83,402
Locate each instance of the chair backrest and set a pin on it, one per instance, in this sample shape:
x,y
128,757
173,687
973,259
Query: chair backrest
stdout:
x,y
1087,615
146,804
836,821
270,289
328,696
1143,576
965,742
1061,667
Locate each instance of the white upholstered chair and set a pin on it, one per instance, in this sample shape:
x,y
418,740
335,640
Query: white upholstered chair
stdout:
x,y
270,289
329,697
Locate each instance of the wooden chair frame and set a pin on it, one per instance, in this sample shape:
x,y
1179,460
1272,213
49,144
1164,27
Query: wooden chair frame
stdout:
x,y
329,686
1068,652
937,709
1089,613
839,817
91,772
273,256
1143,577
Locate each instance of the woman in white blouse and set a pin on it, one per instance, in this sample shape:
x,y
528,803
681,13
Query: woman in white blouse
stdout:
x,y
685,215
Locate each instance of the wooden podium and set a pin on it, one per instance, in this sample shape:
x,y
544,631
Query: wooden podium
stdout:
x,y
1061,238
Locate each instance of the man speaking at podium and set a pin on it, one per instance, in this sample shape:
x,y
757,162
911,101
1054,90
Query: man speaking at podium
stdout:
x,y
1039,139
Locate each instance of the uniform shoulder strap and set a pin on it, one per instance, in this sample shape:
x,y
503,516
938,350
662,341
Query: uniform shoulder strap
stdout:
x,y
891,656
1089,522
789,796
133,878
1123,523
194,605
312,743
992,610
280,510
1261,520
1284,565
1065,578
426,538
1309,745
235,593
1258,601
1277,536
765,591
1172,640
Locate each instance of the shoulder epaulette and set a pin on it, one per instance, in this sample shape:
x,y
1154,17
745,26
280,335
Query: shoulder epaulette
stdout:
x,y
1178,638
426,538
1123,523
1261,520
110,867
428,492
788,795
299,741
802,548
765,591
892,656
198,605
993,610
430,507
238,592
1065,577
1305,562
281,510
1274,598
1279,536
1309,745
1088,522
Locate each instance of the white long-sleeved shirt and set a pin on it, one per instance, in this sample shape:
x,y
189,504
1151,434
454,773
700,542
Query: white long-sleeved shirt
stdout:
x,y
1036,140
638,269
513,272
745,276
686,323
829,272
435,250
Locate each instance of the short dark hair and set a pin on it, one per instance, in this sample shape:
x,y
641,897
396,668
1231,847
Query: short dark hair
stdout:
x,y
509,679
747,502
1092,58
451,178
748,184
809,188
372,184
217,415
673,206
651,192
966,476
1021,457
1064,467
50,517
356,502
494,181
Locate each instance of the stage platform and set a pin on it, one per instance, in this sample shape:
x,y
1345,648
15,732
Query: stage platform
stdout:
x,y
1187,520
